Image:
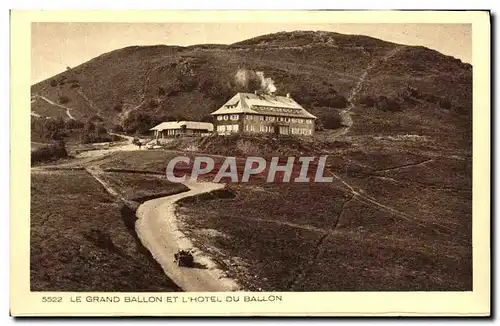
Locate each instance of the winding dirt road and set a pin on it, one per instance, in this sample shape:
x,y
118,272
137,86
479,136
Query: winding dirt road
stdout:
x,y
157,228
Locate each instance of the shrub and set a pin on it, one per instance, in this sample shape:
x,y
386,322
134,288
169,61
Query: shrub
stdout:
x,y
95,118
444,104
62,80
387,104
318,126
153,103
118,107
161,91
75,85
49,152
96,133
48,129
367,101
431,98
117,128
320,97
219,90
74,124
100,130
332,121
53,82
187,83
331,100
138,122
94,138
63,99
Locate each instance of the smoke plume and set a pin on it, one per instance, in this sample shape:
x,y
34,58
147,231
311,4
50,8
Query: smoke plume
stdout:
x,y
254,81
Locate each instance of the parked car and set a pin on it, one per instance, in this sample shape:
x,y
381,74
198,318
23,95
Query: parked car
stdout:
x,y
184,258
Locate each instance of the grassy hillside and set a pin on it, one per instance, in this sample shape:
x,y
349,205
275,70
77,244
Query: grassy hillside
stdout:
x,y
82,239
408,228
317,68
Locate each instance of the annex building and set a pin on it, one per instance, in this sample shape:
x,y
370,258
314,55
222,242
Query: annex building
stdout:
x,y
181,128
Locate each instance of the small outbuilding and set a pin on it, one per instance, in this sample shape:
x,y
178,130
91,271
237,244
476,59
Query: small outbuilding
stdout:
x,y
181,128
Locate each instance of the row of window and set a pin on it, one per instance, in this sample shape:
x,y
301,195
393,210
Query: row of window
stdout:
x,y
227,128
282,130
235,117
280,119
274,109
254,128
301,131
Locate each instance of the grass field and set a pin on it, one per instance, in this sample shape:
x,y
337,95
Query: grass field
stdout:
x,y
141,187
83,240
316,238
145,160
410,230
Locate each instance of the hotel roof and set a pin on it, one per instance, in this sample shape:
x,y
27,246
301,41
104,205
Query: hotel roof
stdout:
x,y
263,104
180,124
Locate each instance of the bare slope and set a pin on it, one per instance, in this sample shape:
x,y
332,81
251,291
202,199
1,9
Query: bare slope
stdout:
x,y
83,240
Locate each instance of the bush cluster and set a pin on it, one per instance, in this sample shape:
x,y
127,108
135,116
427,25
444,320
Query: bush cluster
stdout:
x,y
324,96
63,99
49,152
138,122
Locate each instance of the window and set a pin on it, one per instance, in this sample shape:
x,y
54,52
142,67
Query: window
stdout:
x,y
265,129
235,128
219,117
234,117
249,117
225,117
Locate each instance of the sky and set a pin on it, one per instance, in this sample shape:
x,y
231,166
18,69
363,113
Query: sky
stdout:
x,y
55,46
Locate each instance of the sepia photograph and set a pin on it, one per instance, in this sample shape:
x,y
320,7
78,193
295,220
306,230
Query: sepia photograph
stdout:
x,y
259,157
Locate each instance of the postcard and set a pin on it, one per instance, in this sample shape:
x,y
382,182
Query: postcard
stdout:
x,y
250,163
